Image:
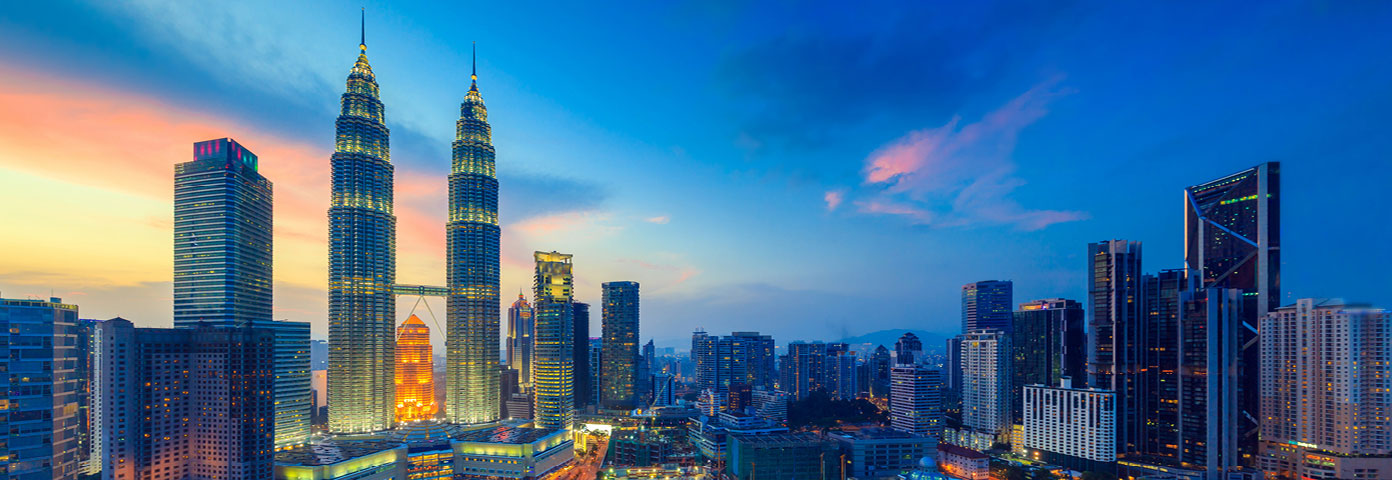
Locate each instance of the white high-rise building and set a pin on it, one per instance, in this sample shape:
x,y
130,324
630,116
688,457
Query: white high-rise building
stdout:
x,y
915,400
1326,391
1072,427
986,381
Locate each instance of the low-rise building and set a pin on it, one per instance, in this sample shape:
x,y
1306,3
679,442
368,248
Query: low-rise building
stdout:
x,y
431,451
1071,427
964,463
881,452
783,456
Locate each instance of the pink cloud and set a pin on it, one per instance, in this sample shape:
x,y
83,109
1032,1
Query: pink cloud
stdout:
x,y
660,219
960,175
833,199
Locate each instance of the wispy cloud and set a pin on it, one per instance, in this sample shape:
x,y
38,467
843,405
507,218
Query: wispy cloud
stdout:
x,y
660,219
957,175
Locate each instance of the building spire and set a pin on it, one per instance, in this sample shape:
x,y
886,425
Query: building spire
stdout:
x,y
362,45
473,75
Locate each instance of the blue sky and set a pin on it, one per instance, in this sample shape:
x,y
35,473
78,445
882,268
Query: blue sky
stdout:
x,y
810,170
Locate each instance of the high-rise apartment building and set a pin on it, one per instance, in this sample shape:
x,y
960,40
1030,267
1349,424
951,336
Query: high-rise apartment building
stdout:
x,y
804,368
362,261
415,372
187,402
552,369
1232,239
986,381
596,349
742,358
1161,377
880,364
1116,334
222,237
89,352
472,266
620,333
41,379
915,405
520,341
1071,427
580,358
1047,343
987,304
952,378
222,267
841,375
1326,391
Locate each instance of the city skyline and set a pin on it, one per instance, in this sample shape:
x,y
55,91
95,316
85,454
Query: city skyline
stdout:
x,y
629,220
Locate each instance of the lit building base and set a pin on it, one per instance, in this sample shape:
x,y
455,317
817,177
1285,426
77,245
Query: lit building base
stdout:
x,y
428,450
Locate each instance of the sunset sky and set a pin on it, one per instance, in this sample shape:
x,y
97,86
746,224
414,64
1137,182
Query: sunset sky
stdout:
x,y
774,166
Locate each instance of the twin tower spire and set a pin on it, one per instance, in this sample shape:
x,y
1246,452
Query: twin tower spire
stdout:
x,y
362,264
473,73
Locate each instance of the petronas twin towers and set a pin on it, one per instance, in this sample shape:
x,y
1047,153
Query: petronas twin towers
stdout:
x,y
362,265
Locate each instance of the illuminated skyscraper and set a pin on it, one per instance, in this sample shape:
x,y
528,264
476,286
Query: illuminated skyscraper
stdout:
x,y
552,362
41,399
415,379
520,341
471,257
620,333
362,262
222,237
580,359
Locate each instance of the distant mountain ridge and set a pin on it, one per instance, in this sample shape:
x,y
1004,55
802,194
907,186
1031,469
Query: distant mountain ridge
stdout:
x,y
932,341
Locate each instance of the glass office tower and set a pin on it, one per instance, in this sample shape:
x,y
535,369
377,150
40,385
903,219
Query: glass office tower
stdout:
x,y
362,262
471,259
222,237
1116,334
1232,239
40,381
987,304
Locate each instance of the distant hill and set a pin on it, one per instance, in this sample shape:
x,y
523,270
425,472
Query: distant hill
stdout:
x,y
932,342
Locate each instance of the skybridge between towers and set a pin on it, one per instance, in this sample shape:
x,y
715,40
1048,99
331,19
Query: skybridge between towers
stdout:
x,y
401,289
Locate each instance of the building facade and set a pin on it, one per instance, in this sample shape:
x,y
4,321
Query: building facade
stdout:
x,y
782,456
986,382
520,341
1232,239
882,453
187,402
1116,333
362,261
1211,378
804,368
987,304
552,370
1047,343
41,376
1326,391
915,405
580,356
1071,427
472,266
415,372
620,334
908,349
1161,378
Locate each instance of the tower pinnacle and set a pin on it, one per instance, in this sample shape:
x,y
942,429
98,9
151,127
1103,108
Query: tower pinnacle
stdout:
x,y
362,45
473,74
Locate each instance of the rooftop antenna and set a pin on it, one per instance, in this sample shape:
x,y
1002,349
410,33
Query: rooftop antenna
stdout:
x,y
473,74
362,45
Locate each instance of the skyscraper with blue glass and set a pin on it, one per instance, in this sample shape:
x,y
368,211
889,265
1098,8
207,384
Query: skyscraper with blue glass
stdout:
x,y
362,262
222,267
471,258
222,237
987,304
